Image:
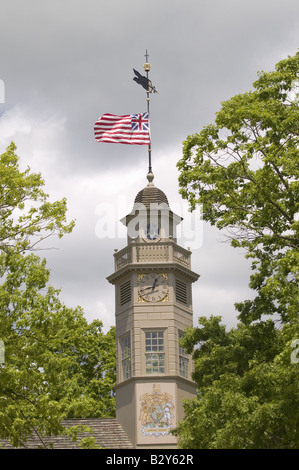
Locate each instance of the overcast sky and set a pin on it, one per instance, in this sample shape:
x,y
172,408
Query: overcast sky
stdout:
x,y
65,63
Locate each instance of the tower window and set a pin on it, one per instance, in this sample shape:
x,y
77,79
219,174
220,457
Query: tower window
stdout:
x,y
183,358
152,231
154,352
181,291
125,293
125,344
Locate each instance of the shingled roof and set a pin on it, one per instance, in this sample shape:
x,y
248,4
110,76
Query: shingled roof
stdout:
x,y
108,434
150,194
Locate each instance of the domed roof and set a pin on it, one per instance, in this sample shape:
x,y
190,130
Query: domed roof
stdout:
x,y
150,194
147,196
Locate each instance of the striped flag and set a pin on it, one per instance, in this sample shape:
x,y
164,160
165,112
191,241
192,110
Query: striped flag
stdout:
x,y
128,129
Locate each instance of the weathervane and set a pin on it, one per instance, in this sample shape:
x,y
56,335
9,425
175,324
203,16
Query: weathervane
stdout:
x,y
133,129
148,86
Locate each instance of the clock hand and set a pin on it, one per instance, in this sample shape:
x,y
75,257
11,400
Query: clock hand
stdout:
x,y
145,288
154,285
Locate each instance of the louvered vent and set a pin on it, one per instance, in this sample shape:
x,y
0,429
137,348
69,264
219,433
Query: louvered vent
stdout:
x,y
125,293
181,291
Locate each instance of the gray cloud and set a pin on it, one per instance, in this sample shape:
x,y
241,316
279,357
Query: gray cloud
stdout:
x,y
66,63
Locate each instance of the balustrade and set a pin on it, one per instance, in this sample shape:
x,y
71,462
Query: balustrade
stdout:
x,y
147,252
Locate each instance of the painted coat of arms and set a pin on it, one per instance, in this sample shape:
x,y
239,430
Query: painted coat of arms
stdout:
x,y
156,413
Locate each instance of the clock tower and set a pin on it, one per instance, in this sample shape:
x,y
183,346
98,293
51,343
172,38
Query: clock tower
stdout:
x,y
153,299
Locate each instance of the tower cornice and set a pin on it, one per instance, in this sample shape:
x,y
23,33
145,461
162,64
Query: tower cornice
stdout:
x,y
156,378
165,267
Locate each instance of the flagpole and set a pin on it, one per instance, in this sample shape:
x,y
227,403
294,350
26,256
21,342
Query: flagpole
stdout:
x,y
147,67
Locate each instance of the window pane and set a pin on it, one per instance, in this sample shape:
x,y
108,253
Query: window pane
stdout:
x,y
183,358
126,356
154,348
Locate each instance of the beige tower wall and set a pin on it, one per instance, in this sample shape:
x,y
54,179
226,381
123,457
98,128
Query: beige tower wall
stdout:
x,y
126,408
149,401
136,400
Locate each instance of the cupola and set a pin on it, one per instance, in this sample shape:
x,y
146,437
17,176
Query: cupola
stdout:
x,y
151,218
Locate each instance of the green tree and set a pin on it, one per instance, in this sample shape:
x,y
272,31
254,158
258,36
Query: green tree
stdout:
x,y
26,215
56,365
248,387
244,170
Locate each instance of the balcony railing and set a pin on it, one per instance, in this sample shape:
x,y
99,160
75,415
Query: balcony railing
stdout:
x,y
152,252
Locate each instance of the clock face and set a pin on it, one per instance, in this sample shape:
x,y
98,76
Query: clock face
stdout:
x,y
153,287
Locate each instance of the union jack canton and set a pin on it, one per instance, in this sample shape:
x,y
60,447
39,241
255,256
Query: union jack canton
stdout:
x,y
140,122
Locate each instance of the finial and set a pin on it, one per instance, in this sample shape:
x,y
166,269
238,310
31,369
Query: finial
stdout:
x,y
150,177
147,65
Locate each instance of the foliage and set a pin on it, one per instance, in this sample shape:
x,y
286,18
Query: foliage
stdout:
x,y
56,364
23,227
244,171
248,386
87,442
